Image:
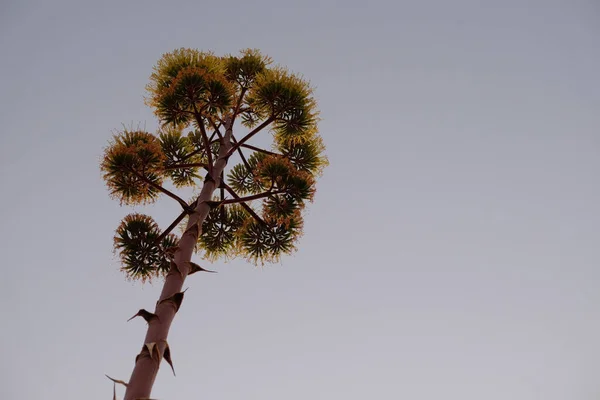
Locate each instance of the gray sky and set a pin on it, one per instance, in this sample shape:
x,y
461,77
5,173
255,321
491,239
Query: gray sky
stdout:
x,y
452,250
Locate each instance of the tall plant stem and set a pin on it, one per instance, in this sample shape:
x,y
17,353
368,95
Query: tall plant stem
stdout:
x,y
147,364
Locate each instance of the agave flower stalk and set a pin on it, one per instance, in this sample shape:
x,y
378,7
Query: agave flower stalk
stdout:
x,y
253,210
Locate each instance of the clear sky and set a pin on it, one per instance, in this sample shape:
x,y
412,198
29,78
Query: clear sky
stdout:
x,y
452,252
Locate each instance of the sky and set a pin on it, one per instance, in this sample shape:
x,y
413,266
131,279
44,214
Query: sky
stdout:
x,y
453,248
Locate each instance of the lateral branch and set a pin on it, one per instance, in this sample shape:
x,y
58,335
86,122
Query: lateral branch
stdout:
x,y
171,227
249,146
204,138
184,165
243,204
161,189
250,198
251,134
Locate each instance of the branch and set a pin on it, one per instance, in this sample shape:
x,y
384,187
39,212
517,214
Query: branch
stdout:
x,y
183,165
250,198
244,205
239,150
239,103
172,226
204,139
162,190
252,133
211,138
193,153
179,110
248,146
216,128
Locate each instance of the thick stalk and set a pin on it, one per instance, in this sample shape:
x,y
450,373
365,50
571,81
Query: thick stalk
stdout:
x,y
146,367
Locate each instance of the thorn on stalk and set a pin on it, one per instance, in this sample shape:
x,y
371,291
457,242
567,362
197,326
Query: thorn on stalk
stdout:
x,y
147,351
174,299
147,315
193,230
167,356
175,267
209,178
150,347
196,268
117,381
